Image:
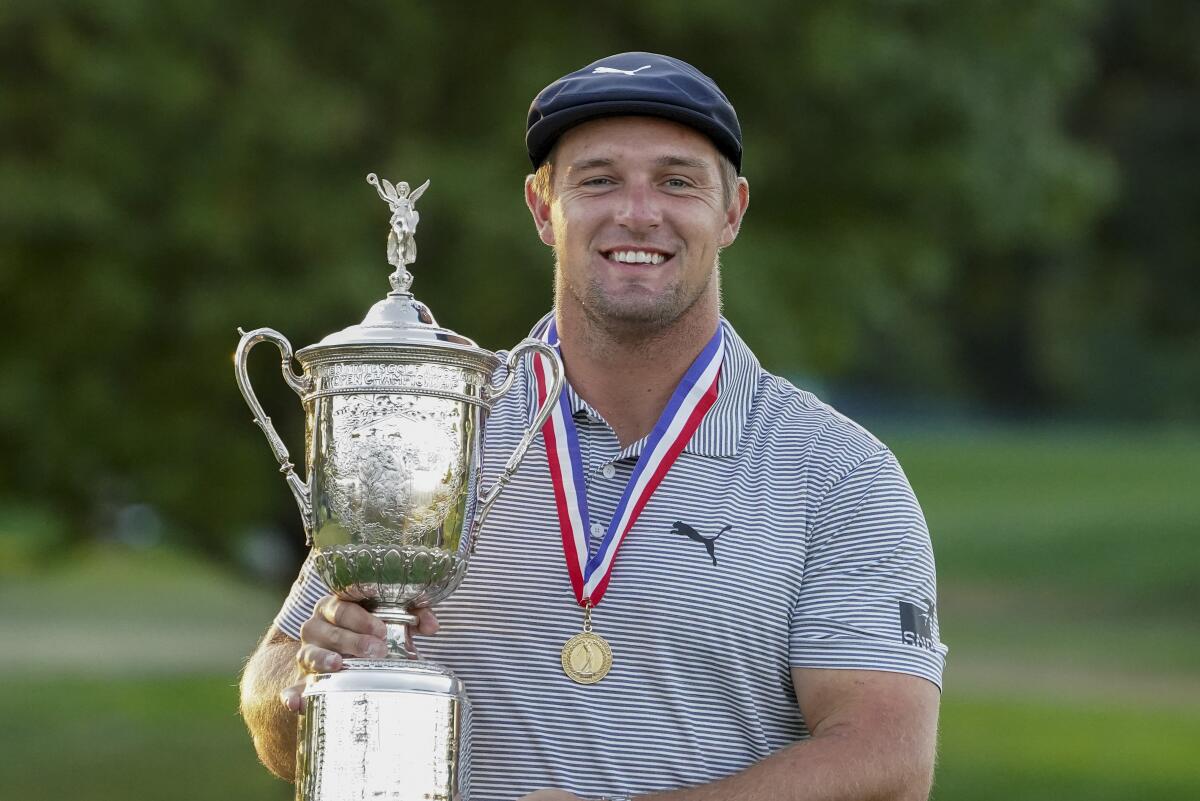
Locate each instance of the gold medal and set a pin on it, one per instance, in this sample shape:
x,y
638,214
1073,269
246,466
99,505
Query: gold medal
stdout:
x,y
586,657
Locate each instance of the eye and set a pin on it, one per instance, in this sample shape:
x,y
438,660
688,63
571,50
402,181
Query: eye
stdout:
x,y
678,183
599,180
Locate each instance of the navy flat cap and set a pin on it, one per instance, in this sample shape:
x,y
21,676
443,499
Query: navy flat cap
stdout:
x,y
633,83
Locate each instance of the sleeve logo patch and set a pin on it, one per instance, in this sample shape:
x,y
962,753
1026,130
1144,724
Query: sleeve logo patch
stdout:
x,y
916,625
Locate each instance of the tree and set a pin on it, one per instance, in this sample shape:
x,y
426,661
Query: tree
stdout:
x,y
169,172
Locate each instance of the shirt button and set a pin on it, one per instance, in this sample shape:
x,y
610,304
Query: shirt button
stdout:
x,y
608,470
597,530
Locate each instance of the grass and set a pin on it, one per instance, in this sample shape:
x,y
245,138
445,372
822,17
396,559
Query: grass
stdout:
x,y
1014,749
1070,583
106,610
1109,515
101,739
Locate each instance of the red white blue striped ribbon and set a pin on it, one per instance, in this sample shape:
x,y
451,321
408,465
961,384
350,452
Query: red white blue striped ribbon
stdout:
x,y
692,399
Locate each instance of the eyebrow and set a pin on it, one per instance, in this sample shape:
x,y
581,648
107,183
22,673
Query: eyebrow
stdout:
x,y
682,161
588,164
661,161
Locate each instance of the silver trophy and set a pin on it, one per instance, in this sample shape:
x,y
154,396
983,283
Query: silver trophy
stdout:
x,y
395,409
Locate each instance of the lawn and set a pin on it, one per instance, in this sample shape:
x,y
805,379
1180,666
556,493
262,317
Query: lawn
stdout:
x,y
1110,517
1069,575
1006,748
167,737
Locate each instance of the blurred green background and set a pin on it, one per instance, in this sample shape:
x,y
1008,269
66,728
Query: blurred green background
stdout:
x,y
974,228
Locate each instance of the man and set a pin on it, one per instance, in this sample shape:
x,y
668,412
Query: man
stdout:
x,y
768,628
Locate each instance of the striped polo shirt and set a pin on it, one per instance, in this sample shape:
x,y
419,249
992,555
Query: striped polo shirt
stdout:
x,y
823,560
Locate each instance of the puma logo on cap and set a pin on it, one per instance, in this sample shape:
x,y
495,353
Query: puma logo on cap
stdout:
x,y
614,70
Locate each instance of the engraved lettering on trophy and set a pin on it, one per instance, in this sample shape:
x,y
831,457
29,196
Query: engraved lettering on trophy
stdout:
x,y
367,374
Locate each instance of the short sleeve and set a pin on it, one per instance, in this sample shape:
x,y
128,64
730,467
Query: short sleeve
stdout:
x,y
307,589
868,594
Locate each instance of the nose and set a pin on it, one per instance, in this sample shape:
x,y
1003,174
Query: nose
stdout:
x,y
638,209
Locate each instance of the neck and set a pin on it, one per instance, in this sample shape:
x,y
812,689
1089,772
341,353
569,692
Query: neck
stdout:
x,y
629,374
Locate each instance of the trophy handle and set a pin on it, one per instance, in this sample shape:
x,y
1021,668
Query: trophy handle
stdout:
x,y
486,499
299,384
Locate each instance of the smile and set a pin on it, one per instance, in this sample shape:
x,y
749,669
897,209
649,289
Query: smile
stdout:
x,y
637,256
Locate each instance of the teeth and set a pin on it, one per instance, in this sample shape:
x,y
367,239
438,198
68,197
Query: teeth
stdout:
x,y
636,257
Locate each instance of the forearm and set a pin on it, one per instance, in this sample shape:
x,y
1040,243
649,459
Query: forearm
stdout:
x,y
835,766
271,669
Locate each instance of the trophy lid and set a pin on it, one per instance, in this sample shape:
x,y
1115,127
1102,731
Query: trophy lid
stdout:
x,y
398,319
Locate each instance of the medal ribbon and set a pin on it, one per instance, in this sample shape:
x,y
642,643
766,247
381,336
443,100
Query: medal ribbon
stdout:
x,y
695,395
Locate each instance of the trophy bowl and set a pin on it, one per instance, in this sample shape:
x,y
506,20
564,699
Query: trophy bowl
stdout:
x,y
395,455
392,504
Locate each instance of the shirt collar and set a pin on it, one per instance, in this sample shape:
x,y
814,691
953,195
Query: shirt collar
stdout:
x,y
720,432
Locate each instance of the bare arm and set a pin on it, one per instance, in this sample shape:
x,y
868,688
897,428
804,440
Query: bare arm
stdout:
x,y
271,669
874,735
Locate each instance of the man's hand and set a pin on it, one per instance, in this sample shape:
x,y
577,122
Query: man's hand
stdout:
x,y
339,629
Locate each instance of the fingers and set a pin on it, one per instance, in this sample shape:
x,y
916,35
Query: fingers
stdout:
x,y
321,638
314,659
344,628
349,615
339,628
427,622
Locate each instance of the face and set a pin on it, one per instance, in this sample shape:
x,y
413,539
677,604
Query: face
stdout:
x,y
637,218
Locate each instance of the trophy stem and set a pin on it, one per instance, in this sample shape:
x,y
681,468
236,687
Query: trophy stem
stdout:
x,y
399,641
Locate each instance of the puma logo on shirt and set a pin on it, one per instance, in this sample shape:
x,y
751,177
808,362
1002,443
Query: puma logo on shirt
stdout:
x,y
710,543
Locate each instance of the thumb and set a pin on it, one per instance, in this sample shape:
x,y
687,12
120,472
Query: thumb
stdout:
x,y
292,697
427,622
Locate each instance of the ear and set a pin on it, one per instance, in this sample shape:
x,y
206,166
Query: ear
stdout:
x,y
540,210
736,211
